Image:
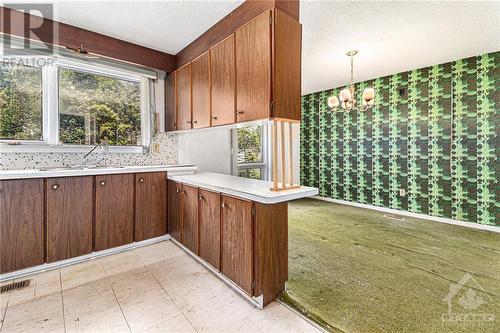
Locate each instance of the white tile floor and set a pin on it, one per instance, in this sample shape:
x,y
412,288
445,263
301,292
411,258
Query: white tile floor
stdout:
x,y
156,288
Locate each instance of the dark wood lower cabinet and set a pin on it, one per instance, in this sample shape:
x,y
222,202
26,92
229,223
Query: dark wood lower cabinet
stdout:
x,y
150,205
189,218
271,250
209,224
114,211
21,224
174,210
69,217
237,241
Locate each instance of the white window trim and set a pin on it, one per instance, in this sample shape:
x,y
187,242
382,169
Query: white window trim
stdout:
x,y
50,111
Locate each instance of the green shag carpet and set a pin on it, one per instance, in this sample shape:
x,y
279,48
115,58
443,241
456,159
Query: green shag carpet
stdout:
x,y
354,270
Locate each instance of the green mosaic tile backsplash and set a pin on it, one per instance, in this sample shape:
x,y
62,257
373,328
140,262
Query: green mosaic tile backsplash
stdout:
x,y
433,132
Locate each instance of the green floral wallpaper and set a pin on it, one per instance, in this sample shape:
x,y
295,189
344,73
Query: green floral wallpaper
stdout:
x,y
433,132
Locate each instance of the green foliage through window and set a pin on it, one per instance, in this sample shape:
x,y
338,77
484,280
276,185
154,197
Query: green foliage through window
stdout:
x,y
93,108
20,103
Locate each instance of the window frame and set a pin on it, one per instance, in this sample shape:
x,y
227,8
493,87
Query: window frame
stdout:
x,y
50,108
264,142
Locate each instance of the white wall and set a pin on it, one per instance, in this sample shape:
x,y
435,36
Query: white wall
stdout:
x,y
209,149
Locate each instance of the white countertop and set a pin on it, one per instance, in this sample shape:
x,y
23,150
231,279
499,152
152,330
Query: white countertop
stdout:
x,y
251,189
175,169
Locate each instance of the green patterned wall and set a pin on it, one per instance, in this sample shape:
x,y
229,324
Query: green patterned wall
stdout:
x,y
432,132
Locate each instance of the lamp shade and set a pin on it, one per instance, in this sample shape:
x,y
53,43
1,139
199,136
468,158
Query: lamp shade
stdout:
x,y
345,95
333,101
368,94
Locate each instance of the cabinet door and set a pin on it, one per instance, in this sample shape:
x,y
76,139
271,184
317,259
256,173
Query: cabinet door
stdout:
x,y
190,217
21,224
223,84
253,69
209,224
287,66
69,217
170,103
114,210
237,240
201,91
184,114
150,205
174,210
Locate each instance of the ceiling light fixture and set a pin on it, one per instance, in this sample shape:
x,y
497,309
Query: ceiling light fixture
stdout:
x,y
347,98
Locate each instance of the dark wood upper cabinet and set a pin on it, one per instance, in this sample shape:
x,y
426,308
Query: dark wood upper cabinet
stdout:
x,y
253,69
287,66
21,224
200,76
223,84
170,103
209,224
184,110
237,241
150,205
114,210
69,217
190,217
174,210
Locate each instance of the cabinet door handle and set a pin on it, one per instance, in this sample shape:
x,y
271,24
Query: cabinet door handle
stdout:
x,y
102,183
188,121
141,180
178,190
214,117
174,124
239,112
55,187
201,197
195,122
223,205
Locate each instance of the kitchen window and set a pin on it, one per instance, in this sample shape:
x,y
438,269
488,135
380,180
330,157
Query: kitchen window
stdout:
x,y
249,152
72,104
95,108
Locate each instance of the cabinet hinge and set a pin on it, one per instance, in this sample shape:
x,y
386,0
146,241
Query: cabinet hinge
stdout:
x,y
272,108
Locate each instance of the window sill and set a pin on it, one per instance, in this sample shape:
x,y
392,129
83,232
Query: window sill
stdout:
x,y
44,148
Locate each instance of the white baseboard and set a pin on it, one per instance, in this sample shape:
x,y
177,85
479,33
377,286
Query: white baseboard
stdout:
x,y
72,261
415,215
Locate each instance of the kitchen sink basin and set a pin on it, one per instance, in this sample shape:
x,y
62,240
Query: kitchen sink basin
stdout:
x,y
80,167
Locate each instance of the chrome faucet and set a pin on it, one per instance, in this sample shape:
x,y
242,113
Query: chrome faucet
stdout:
x,y
103,145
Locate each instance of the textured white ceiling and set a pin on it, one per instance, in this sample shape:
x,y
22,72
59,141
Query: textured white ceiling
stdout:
x,y
391,36
162,25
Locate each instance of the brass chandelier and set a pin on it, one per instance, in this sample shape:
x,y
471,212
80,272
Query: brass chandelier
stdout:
x,y
347,99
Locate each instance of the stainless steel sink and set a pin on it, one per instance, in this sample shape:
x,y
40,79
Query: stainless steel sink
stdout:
x,y
80,167
62,168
